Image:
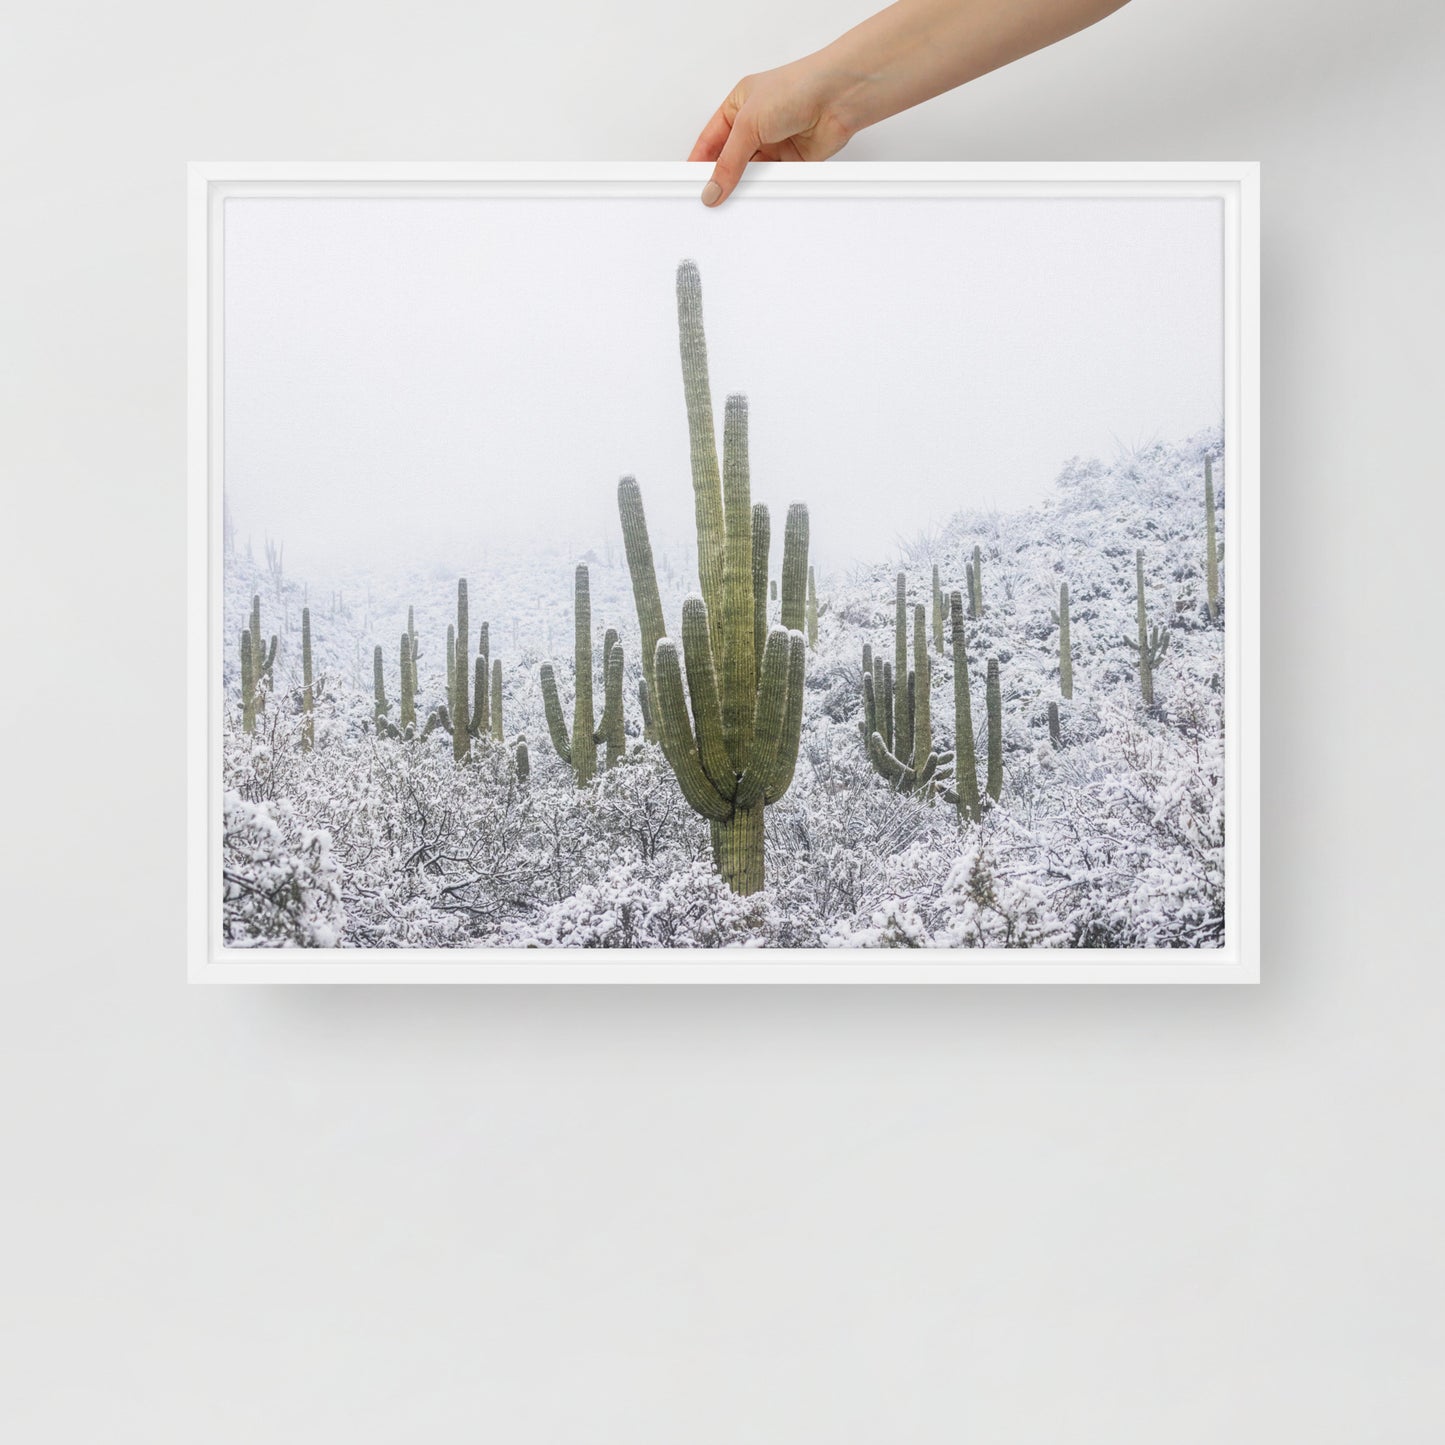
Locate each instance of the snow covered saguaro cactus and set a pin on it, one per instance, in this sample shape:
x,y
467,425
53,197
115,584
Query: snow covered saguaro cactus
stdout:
x,y
408,685
496,708
1066,652
612,729
308,722
461,679
965,770
263,660
914,764
1211,541
248,683
481,719
385,728
1151,644
731,733
937,612
993,698
579,751
902,729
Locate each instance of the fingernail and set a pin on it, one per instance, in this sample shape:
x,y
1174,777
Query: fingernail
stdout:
x,y
711,193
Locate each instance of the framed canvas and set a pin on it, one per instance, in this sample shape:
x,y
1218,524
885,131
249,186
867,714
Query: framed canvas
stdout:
x,y
858,583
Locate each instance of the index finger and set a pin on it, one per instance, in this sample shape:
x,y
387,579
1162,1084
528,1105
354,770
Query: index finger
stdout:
x,y
709,144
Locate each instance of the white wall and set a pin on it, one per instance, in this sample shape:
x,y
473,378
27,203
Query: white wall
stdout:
x,y
715,1216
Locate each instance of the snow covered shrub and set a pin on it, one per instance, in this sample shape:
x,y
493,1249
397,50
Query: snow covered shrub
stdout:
x,y
280,881
631,907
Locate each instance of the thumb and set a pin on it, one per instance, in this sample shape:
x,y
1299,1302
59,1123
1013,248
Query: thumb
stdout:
x,y
740,147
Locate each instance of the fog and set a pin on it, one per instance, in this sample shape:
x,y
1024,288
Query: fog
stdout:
x,y
420,380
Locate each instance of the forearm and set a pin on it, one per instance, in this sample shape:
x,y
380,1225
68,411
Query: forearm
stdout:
x,y
917,49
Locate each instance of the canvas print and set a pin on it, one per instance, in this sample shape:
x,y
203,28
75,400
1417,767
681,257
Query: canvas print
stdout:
x,y
825,574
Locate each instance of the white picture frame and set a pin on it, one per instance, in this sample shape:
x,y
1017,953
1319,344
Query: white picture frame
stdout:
x,y
1235,184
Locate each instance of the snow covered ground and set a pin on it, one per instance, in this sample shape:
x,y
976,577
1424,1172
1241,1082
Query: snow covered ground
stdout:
x,y
1113,840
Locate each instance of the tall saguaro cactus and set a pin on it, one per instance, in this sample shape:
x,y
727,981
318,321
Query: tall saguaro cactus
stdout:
x,y
977,581
812,609
1151,644
1211,542
496,707
993,698
308,697
731,735
965,769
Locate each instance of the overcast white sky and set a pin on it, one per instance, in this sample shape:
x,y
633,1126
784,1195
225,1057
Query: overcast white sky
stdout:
x,y
402,373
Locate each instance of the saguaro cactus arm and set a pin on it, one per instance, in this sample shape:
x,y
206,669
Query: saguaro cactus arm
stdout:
x,y
739,672
702,685
552,707
707,486
762,541
678,743
643,572
771,707
785,760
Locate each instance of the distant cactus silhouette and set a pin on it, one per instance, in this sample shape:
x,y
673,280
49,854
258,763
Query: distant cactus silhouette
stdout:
x,y
912,764
579,751
1151,644
385,728
263,659
812,609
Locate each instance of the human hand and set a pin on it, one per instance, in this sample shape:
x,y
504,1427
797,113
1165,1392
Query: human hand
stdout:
x,y
906,54
787,114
